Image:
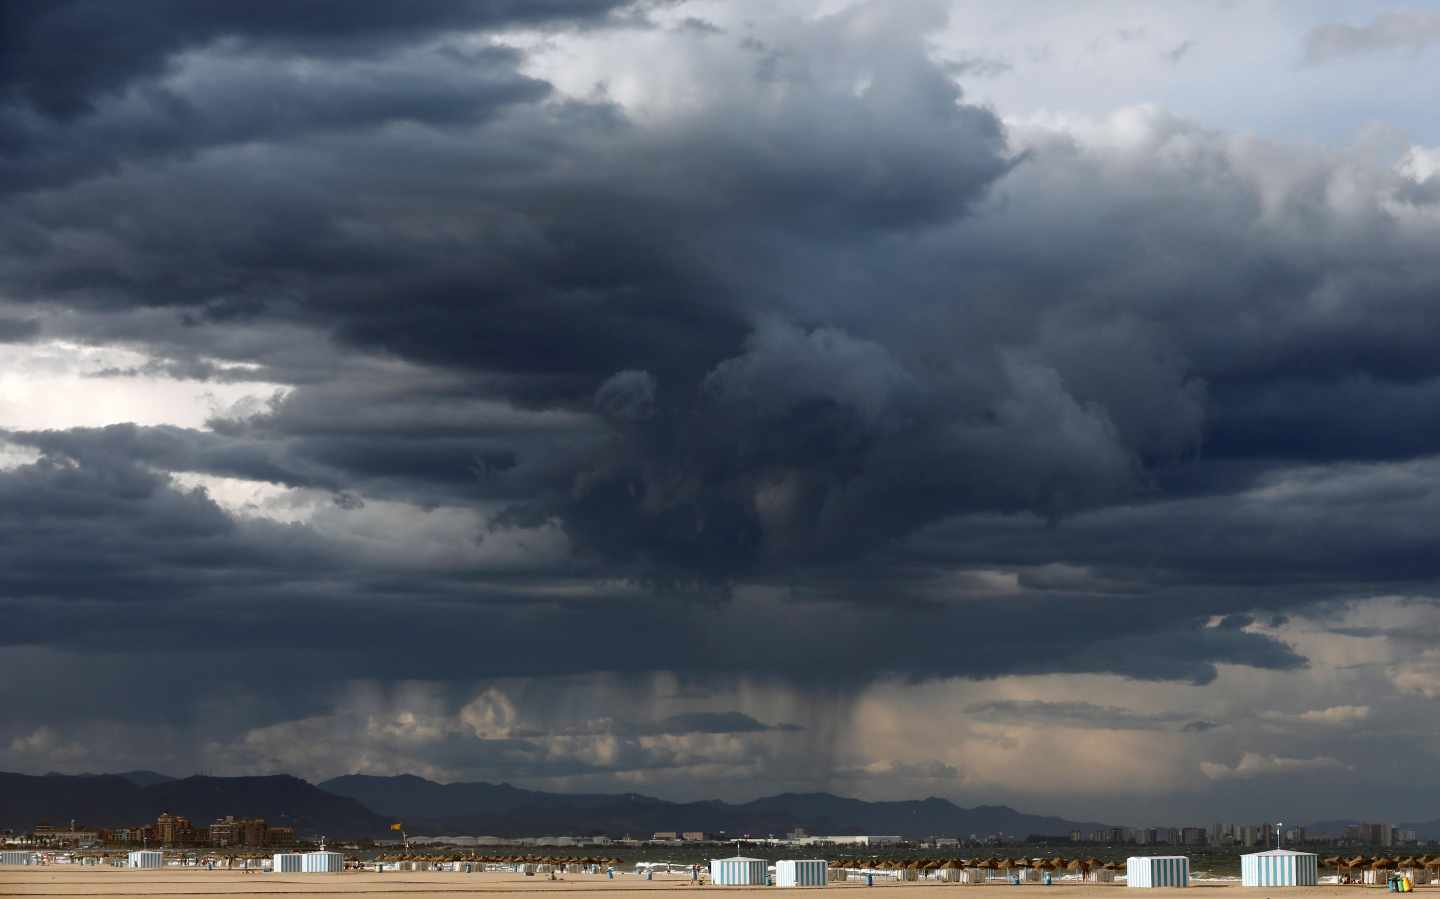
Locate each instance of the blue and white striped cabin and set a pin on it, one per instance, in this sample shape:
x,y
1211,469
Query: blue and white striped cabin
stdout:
x,y
1280,868
1157,871
146,858
739,871
13,857
286,863
322,862
802,873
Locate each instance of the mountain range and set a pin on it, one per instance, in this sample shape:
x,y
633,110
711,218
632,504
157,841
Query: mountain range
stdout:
x,y
113,800
500,809
358,805
363,805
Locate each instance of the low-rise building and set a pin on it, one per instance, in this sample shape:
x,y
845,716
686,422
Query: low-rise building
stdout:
x,y
71,834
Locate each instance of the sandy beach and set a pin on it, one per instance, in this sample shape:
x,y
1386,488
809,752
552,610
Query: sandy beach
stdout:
x,y
119,882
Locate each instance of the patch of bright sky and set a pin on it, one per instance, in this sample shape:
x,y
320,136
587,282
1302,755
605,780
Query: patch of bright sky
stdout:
x,y
1236,67
57,384
396,533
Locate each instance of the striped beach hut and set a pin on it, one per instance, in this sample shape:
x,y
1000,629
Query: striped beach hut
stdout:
x,y
801,873
1280,868
12,857
1157,871
287,863
322,862
147,858
739,872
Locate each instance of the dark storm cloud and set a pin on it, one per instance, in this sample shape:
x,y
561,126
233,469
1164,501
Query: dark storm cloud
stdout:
x,y
65,57
828,332
98,536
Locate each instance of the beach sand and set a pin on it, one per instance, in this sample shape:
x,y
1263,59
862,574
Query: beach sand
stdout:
x,y
78,880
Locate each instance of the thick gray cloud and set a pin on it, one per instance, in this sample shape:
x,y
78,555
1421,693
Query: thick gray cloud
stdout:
x,y
1399,30
816,373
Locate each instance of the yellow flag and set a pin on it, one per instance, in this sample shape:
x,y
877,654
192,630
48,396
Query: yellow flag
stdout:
x,y
397,826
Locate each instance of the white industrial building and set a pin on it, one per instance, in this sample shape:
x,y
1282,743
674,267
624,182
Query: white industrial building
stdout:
x,y
287,863
1157,871
13,857
739,872
322,862
868,840
801,873
147,858
1280,868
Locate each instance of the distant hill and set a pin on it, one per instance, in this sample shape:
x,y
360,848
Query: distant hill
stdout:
x,y
504,810
363,805
146,778
94,799
109,800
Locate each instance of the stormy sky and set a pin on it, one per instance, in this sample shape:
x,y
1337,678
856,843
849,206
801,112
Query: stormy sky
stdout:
x,y
1028,403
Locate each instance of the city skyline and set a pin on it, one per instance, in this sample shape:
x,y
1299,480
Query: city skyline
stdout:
x,y
1027,404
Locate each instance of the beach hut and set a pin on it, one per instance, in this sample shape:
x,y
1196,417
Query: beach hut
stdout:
x,y
1280,868
12,857
286,863
146,858
801,873
1378,871
322,862
739,872
1157,871
1413,868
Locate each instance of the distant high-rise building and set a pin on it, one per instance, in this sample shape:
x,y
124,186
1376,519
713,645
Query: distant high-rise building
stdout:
x,y
173,830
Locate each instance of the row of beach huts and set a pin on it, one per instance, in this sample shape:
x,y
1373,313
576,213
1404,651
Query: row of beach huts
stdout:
x,y
321,862
1276,867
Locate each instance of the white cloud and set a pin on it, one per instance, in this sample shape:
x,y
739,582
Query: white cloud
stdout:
x,y
1419,163
1254,764
49,744
14,456
395,533
1418,674
489,716
58,384
1335,716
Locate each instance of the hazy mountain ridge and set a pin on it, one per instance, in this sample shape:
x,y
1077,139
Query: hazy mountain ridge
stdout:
x,y
504,810
365,805
111,800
